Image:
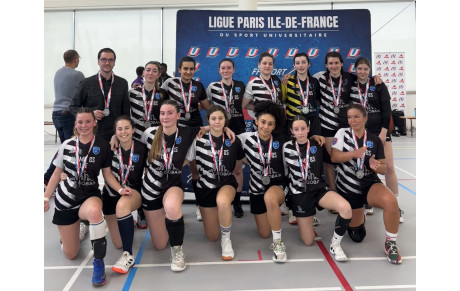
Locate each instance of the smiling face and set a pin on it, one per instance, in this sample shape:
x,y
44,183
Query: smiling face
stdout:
x,y
217,121
226,70
106,62
124,131
356,119
266,67
186,71
85,124
169,115
334,66
301,65
362,71
300,131
151,73
265,125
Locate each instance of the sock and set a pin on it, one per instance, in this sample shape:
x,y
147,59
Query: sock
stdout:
x,y
237,200
176,231
98,241
391,236
225,231
341,225
276,235
126,228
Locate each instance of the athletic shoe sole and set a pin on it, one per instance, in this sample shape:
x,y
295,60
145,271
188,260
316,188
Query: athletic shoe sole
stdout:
x,y
121,271
227,258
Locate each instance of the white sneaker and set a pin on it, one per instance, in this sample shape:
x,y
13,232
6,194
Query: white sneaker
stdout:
x,y
177,259
83,230
124,263
279,252
198,213
316,222
338,252
292,218
401,218
284,209
227,250
368,210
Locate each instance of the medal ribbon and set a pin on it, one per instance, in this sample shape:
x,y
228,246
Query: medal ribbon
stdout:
x,y
302,93
334,98
305,163
124,173
261,155
363,98
228,100
217,158
109,95
167,159
148,111
81,167
187,100
360,161
273,95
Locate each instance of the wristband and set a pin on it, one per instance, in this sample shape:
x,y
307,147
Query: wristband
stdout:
x,y
46,199
119,190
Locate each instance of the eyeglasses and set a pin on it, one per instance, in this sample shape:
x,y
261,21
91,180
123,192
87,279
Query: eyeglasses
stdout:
x,y
104,60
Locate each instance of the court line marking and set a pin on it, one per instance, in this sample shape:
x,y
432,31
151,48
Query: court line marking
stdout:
x,y
139,255
396,167
385,287
333,265
78,271
407,189
242,262
295,289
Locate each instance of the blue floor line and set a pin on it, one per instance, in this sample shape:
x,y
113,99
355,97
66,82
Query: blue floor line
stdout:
x,y
401,185
133,270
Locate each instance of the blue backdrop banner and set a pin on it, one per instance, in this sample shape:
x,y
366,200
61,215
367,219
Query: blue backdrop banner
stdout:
x,y
212,35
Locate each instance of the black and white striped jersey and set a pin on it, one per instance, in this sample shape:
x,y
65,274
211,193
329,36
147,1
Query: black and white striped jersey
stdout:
x,y
158,179
251,151
378,105
328,118
233,93
346,180
172,87
257,90
293,168
69,193
206,160
136,168
139,111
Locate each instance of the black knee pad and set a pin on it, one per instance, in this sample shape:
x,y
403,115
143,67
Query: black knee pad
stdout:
x,y
99,248
357,234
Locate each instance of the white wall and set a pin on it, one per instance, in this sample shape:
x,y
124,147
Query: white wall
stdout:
x,y
141,34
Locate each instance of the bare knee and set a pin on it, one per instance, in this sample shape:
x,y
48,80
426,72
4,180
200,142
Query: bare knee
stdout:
x,y
344,210
70,254
123,208
308,241
160,245
94,214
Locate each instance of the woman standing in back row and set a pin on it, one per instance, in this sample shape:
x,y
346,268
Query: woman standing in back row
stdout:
x,y
188,93
228,94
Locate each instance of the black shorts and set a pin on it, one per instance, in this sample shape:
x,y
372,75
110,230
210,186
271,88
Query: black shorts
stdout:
x,y
304,204
68,216
328,132
157,203
109,203
257,201
358,200
206,197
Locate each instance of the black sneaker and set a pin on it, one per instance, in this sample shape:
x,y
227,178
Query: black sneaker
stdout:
x,y
238,210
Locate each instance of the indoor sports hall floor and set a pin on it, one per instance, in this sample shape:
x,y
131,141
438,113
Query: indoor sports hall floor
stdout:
x,y
307,268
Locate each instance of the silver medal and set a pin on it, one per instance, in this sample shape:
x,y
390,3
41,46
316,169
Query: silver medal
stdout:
x,y
147,124
106,112
336,109
266,180
187,116
305,110
359,174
